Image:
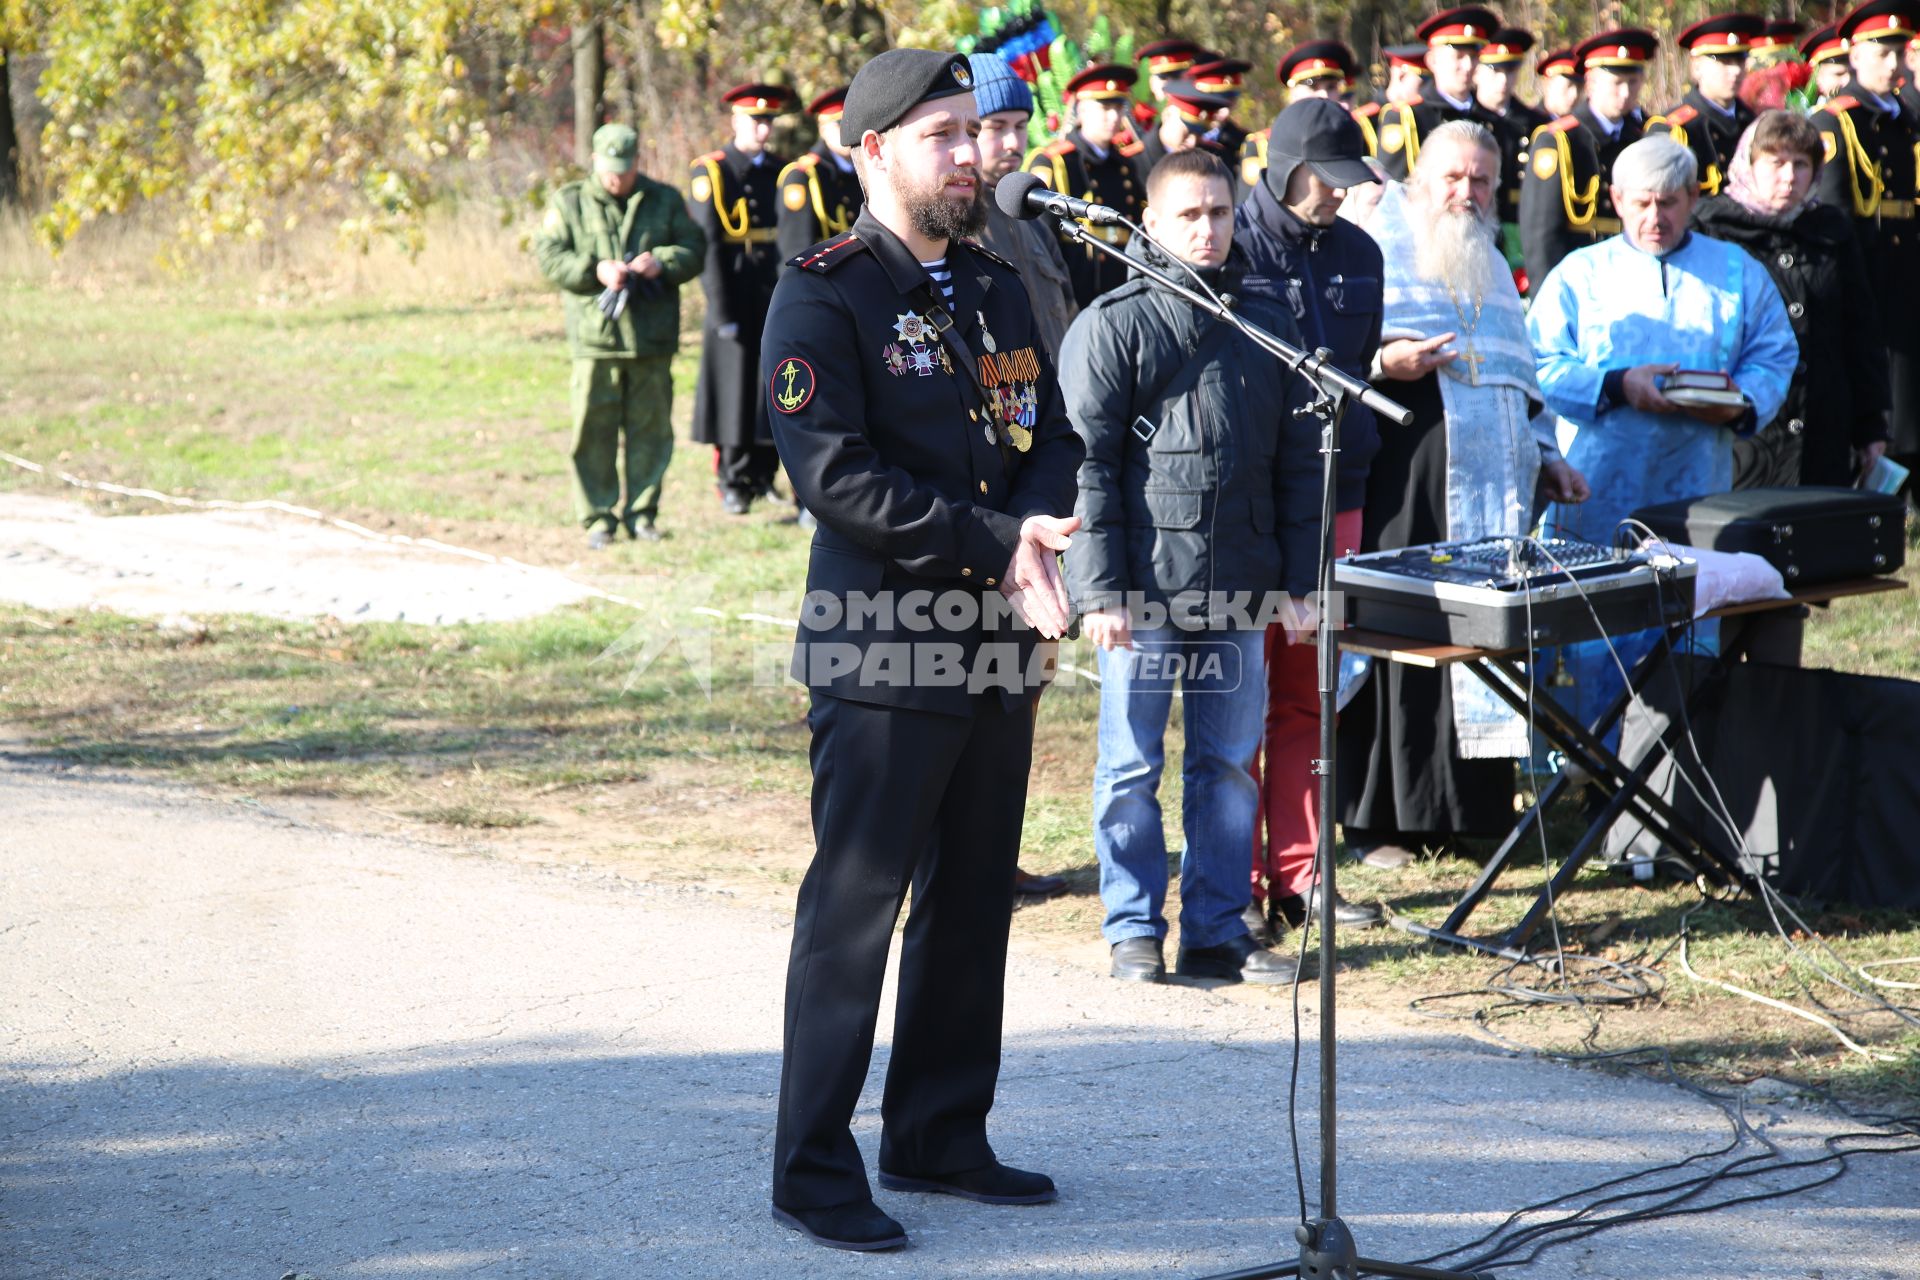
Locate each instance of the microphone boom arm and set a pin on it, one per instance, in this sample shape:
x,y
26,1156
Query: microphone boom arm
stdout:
x,y
1316,367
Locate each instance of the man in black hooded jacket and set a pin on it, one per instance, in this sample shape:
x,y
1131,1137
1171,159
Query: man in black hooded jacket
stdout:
x,y
1329,272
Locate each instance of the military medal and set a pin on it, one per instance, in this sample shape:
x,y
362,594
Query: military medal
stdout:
x,y
987,427
986,334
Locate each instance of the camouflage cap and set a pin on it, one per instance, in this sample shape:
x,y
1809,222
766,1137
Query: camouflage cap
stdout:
x,y
614,147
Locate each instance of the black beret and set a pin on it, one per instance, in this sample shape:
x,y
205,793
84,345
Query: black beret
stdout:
x,y
898,81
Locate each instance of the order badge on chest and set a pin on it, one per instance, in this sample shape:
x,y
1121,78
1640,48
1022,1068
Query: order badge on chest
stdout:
x,y
919,350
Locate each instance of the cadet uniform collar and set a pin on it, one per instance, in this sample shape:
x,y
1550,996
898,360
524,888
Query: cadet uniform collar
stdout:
x,y
971,285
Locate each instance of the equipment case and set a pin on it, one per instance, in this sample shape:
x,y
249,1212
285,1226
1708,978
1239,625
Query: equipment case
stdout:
x,y
1812,534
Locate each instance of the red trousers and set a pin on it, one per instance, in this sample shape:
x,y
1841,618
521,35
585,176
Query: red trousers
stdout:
x,y
1289,789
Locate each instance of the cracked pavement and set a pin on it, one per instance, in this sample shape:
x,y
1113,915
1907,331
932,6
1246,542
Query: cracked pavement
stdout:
x,y
239,1046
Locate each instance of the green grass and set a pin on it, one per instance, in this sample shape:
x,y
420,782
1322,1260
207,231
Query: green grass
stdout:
x,y
446,417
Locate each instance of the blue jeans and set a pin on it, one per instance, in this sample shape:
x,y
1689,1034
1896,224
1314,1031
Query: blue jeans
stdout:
x,y
1222,676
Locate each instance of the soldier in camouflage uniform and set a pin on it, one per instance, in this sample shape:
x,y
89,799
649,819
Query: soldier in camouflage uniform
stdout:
x,y
622,241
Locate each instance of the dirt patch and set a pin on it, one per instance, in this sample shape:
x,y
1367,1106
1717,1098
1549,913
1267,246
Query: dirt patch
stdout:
x,y
60,555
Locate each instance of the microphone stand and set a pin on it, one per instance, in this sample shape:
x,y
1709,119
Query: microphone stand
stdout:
x,y
1327,1248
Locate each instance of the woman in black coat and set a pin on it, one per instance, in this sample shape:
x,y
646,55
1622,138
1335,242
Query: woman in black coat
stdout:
x,y
1834,422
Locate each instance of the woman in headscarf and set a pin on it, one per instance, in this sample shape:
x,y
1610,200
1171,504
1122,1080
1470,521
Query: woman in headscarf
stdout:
x,y
1834,421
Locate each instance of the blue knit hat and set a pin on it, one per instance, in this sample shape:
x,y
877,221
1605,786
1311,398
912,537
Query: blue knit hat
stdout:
x,y
996,87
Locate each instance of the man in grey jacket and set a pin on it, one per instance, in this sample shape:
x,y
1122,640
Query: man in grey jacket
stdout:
x,y
1199,505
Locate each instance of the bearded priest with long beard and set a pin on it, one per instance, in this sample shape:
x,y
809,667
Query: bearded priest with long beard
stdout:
x,y
1425,757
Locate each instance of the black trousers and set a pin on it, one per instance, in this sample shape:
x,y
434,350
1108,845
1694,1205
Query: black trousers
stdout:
x,y
747,467
900,797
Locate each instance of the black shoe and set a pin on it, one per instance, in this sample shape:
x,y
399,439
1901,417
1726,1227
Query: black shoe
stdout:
x,y
736,502
1138,960
599,538
995,1183
1236,960
1261,927
643,530
1295,908
1028,885
860,1225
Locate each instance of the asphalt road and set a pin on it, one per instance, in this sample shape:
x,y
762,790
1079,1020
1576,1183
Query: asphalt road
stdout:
x,y
236,1046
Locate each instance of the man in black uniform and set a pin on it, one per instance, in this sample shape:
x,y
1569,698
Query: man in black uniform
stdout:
x,y
1223,78
1826,53
1164,61
1092,163
1311,69
1513,123
1711,118
1910,91
917,413
1559,82
1454,40
1184,124
1872,142
736,206
819,192
1564,200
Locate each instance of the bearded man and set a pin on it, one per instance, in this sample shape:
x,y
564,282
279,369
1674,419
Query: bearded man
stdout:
x,y
1425,756
915,407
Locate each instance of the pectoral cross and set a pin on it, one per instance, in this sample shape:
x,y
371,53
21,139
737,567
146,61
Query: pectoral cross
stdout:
x,y
1474,360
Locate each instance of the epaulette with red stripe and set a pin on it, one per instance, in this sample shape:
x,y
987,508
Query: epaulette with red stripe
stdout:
x,y
1845,102
825,257
1682,114
808,160
1058,147
1133,148
1561,125
711,155
1367,109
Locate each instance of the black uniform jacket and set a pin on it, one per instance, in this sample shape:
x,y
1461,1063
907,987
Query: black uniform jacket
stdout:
x,y
1116,177
818,200
1871,173
1405,126
1514,128
1711,134
917,485
1564,201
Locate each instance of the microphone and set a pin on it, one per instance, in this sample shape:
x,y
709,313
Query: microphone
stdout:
x,y
1023,195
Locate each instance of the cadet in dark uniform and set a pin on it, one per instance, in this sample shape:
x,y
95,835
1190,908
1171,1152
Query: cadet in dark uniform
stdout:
x,y
1188,118
819,192
1223,78
917,413
1311,69
1407,73
1559,83
1513,123
1711,118
1910,91
1163,61
1564,202
1872,143
1826,53
1093,162
1454,40
735,202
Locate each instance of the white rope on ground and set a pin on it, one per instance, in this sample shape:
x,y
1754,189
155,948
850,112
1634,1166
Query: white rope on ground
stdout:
x,y
391,539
